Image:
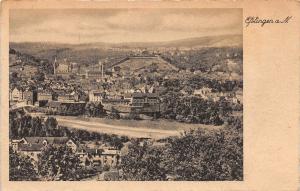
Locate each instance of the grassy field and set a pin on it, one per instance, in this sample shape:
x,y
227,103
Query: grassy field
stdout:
x,y
151,124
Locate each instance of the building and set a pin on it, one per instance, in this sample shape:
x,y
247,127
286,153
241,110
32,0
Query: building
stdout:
x,y
145,103
29,70
53,106
96,96
68,97
94,74
116,101
32,151
144,99
43,97
102,156
16,95
63,67
97,156
204,92
32,146
30,97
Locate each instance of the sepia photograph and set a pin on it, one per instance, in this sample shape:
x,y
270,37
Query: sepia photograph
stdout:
x,y
126,94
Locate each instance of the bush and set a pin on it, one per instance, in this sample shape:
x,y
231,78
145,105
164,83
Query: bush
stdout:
x,y
20,168
106,167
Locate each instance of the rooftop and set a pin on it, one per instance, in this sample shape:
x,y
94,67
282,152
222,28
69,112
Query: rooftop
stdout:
x,y
50,140
31,147
141,95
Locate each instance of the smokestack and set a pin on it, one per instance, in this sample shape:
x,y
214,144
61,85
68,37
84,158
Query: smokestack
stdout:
x,y
87,73
54,66
101,70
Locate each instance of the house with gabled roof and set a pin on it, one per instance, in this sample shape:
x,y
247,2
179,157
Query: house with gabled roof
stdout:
x,y
32,146
99,156
16,94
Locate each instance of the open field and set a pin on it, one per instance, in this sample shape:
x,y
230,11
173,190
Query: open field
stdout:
x,y
146,129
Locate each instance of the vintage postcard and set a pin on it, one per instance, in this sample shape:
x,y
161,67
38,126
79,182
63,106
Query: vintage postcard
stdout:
x,y
149,95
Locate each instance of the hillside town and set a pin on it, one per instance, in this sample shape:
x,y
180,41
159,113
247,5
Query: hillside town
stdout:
x,y
138,85
135,80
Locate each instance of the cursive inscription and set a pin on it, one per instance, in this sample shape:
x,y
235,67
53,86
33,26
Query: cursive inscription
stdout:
x,y
263,21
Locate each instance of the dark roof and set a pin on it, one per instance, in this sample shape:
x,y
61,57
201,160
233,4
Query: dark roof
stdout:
x,y
90,150
30,147
18,88
93,151
50,140
53,104
140,95
94,72
115,100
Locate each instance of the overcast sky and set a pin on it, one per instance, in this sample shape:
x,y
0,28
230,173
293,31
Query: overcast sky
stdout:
x,y
121,25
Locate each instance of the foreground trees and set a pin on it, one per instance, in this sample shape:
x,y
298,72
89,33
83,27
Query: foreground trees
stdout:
x,y
195,110
204,155
198,155
143,163
20,168
58,163
28,126
94,110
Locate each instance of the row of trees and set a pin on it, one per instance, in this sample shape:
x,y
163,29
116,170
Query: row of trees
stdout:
x,y
195,109
200,155
197,82
26,125
90,109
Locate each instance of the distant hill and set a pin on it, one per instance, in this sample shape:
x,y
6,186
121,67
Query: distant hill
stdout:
x,y
207,41
91,53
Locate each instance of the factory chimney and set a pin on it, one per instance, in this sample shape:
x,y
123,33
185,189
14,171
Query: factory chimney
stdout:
x,y
54,66
102,70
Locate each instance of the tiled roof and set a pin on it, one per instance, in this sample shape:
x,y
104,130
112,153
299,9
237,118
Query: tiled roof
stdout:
x,y
30,147
54,104
86,149
138,94
50,140
115,100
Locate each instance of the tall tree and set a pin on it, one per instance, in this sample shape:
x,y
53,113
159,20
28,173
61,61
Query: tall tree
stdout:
x,y
58,163
20,167
143,163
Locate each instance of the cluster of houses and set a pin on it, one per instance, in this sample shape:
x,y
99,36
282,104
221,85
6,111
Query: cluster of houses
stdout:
x,y
89,154
112,87
40,97
141,101
19,95
207,94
